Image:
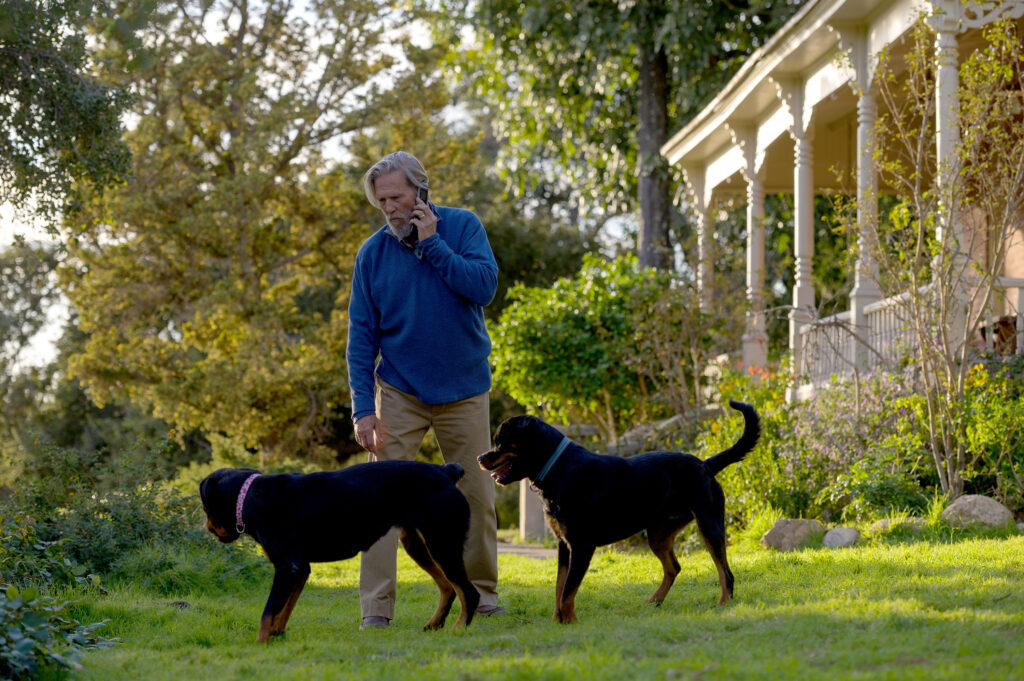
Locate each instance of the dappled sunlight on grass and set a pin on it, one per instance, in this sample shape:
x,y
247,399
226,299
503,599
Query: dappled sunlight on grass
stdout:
x,y
913,610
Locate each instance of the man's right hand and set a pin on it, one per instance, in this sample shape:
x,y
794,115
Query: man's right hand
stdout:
x,y
369,434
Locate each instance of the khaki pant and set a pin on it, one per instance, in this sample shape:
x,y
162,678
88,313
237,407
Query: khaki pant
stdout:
x,y
463,432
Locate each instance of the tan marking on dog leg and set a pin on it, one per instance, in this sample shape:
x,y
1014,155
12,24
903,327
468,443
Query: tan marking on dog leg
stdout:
x,y
419,552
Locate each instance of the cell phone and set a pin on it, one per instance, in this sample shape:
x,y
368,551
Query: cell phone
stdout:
x,y
422,194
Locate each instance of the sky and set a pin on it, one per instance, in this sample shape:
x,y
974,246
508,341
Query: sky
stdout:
x,y
43,346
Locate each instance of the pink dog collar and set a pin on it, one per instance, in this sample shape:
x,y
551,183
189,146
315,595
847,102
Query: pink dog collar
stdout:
x,y
239,525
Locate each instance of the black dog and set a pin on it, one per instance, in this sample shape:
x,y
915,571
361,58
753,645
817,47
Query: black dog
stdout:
x,y
322,517
592,500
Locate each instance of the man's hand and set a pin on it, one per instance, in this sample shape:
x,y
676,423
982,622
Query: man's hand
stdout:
x,y
369,434
423,219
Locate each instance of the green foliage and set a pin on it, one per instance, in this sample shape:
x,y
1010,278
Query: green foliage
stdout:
x,y
565,350
100,509
26,559
583,65
995,431
204,566
38,636
58,122
873,487
861,450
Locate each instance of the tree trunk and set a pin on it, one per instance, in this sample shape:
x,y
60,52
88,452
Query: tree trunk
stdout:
x,y
653,248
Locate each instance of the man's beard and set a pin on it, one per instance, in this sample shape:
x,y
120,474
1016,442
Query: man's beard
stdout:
x,y
402,231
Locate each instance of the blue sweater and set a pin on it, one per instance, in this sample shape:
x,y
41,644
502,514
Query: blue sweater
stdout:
x,y
424,318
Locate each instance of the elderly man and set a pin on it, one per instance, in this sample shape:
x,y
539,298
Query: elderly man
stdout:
x,y
417,358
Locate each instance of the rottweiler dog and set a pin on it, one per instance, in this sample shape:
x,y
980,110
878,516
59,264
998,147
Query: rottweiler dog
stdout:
x,y
322,517
591,500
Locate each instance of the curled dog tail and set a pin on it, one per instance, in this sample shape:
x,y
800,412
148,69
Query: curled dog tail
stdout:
x,y
454,471
751,433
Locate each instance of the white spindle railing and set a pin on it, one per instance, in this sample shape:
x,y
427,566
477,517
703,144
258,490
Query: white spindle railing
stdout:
x,y
828,344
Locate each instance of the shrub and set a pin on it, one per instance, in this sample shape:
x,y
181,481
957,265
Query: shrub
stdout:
x,y
99,510
37,634
26,560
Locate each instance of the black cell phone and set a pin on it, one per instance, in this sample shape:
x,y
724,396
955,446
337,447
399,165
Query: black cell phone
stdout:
x,y
422,194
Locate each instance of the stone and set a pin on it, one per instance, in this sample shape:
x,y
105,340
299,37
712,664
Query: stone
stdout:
x,y
788,534
976,509
913,525
840,537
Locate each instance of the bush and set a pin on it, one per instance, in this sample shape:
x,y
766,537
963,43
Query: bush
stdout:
x,y
99,510
804,465
27,560
861,450
37,634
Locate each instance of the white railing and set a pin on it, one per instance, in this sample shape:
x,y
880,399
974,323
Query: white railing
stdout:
x,y
828,345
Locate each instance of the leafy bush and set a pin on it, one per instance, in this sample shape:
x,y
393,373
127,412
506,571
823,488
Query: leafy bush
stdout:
x,y
99,509
860,450
37,634
26,560
995,431
614,345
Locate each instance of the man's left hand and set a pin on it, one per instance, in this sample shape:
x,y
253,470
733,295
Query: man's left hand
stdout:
x,y
423,219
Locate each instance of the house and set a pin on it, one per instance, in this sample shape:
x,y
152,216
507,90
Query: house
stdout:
x,y
790,117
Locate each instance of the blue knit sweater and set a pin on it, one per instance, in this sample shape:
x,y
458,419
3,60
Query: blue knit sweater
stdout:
x,y
422,316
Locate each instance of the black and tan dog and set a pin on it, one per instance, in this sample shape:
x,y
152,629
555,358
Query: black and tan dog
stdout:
x,y
592,500
323,517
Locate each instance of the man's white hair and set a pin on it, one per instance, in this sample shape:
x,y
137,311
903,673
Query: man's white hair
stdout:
x,y
402,161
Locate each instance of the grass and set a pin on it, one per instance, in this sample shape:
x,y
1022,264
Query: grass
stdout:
x,y
919,609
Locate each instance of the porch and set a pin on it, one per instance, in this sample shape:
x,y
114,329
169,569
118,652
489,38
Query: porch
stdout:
x,y
799,114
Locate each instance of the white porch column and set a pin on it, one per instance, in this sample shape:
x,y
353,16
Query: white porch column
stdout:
x,y
695,180
947,126
949,231
792,93
803,219
865,285
755,336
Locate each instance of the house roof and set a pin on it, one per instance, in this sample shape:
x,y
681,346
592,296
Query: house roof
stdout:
x,y
806,44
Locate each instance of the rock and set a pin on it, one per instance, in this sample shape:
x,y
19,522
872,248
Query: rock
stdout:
x,y
788,534
914,525
841,537
636,440
975,509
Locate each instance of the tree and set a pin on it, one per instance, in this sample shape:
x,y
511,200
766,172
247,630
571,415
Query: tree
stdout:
x,y
59,123
213,286
27,289
588,91
614,344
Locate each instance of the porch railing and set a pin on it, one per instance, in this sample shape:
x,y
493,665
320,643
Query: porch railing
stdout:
x,y
828,346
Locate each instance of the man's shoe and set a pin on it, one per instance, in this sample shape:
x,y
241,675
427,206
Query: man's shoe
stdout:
x,y
491,610
375,622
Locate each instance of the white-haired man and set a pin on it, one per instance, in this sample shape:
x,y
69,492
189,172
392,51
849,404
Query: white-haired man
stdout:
x,y
418,358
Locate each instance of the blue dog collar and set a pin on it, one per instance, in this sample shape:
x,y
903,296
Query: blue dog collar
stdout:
x,y
554,457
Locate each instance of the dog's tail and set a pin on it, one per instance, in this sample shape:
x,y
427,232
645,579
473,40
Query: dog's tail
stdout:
x,y
454,471
751,433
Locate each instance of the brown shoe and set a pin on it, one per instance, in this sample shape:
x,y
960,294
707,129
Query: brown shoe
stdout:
x,y
375,622
491,610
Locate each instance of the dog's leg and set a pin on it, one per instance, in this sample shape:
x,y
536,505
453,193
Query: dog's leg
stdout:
x,y
284,592
712,531
579,562
444,549
661,541
563,570
417,550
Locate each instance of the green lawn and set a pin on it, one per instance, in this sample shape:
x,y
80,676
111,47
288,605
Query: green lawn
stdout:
x,y
914,610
